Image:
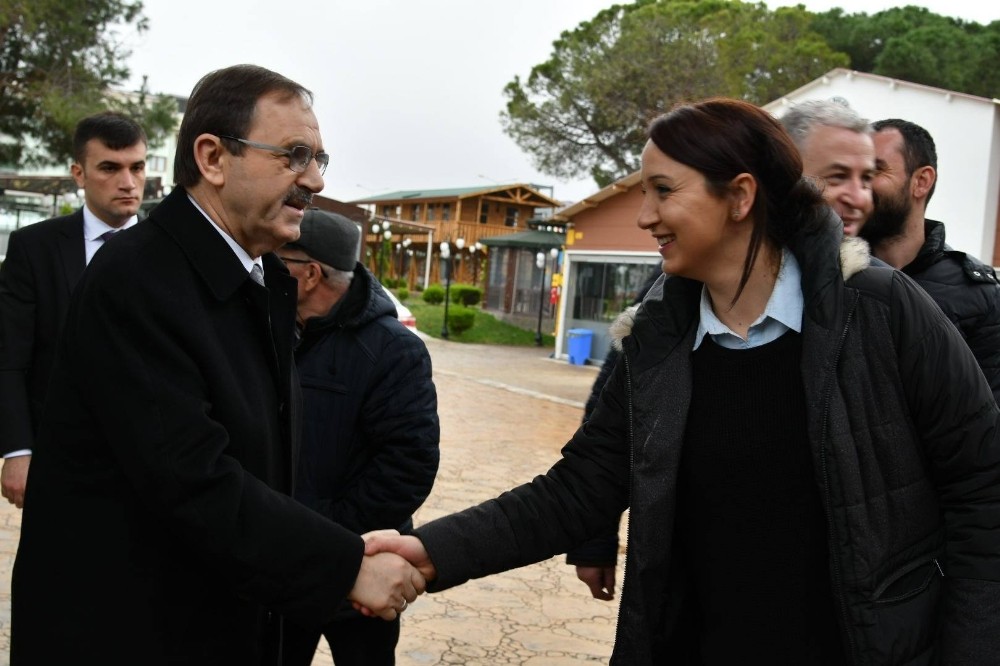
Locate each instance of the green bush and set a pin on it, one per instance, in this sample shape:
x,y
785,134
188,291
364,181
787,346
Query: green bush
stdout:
x,y
466,294
418,287
402,293
391,283
460,319
434,294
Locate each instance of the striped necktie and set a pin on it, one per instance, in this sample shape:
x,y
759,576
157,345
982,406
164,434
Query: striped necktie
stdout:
x,y
257,274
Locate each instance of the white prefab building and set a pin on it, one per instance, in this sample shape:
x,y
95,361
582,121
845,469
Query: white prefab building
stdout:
x,y
606,254
966,131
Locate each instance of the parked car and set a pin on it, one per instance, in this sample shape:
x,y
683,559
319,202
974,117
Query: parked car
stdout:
x,y
406,317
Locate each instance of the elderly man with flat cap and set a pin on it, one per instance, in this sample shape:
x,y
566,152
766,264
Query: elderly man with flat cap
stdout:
x,y
370,425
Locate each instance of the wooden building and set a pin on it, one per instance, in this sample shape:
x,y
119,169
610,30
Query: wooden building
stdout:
x,y
408,226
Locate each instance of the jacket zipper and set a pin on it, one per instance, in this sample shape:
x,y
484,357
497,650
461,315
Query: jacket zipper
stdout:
x,y
828,501
631,468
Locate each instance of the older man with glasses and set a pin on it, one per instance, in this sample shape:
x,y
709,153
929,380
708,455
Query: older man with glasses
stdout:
x,y
370,427
170,439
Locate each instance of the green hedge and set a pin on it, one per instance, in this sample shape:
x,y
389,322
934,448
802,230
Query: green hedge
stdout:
x,y
434,294
466,294
460,319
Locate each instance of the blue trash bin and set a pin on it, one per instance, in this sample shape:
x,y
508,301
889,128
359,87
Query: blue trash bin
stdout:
x,y
578,340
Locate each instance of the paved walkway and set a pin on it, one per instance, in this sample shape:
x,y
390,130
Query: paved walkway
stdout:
x,y
505,414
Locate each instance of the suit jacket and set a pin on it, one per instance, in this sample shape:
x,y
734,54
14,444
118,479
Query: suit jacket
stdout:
x,y
156,526
44,262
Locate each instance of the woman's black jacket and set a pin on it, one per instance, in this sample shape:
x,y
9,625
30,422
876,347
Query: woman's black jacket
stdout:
x,y
903,429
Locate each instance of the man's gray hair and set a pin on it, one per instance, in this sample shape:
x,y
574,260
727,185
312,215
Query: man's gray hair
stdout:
x,y
338,279
803,118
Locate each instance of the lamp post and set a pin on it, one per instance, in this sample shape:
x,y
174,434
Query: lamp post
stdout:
x,y
540,262
404,264
459,245
446,258
381,231
387,235
475,262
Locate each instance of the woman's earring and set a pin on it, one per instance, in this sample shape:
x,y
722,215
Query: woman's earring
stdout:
x,y
736,214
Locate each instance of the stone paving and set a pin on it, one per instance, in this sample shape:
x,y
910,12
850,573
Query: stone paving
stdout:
x,y
505,414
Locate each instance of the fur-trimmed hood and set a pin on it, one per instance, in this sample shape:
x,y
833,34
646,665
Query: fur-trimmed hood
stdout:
x,y
855,256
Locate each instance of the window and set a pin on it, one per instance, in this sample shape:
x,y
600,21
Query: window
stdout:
x,y
156,163
446,211
603,290
484,213
511,219
416,213
430,212
387,210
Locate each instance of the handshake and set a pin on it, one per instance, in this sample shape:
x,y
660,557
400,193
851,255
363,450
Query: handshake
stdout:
x,y
394,571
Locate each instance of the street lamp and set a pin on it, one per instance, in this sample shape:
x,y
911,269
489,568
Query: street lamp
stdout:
x,y
459,244
381,230
540,262
446,258
475,262
403,263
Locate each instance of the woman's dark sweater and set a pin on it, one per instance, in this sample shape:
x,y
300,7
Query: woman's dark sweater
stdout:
x,y
751,526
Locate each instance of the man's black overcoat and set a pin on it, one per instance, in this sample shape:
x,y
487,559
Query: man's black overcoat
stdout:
x,y
157,528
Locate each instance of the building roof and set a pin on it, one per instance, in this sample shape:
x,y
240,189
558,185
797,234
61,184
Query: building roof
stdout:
x,y
527,239
455,193
618,187
355,213
850,75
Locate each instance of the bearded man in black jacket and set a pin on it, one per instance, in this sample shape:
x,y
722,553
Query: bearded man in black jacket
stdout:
x,y
899,234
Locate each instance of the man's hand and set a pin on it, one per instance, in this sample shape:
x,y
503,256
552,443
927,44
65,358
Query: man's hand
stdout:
x,y
14,479
385,585
408,547
600,580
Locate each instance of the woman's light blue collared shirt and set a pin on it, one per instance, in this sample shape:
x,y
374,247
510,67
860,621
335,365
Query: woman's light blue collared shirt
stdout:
x,y
782,313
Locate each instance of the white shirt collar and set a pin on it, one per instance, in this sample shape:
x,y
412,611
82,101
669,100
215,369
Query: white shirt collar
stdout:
x,y
94,227
783,310
241,254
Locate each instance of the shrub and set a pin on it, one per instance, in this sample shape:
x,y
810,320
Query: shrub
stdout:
x,y
461,319
402,293
434,294
418,287
466,294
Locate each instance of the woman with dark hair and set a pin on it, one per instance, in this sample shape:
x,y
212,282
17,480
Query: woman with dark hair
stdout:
x,y
808,449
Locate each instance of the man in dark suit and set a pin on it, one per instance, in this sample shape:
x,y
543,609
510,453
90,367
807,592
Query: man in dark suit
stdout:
x,y
158,528
44,262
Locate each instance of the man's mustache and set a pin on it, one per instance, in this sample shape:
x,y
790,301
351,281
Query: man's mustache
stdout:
x,y
299,198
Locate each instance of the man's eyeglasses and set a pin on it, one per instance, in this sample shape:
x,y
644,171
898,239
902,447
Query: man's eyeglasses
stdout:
x,y
290,260
299,157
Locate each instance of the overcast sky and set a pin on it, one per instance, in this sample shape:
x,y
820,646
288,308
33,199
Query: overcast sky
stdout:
x,y
407,92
